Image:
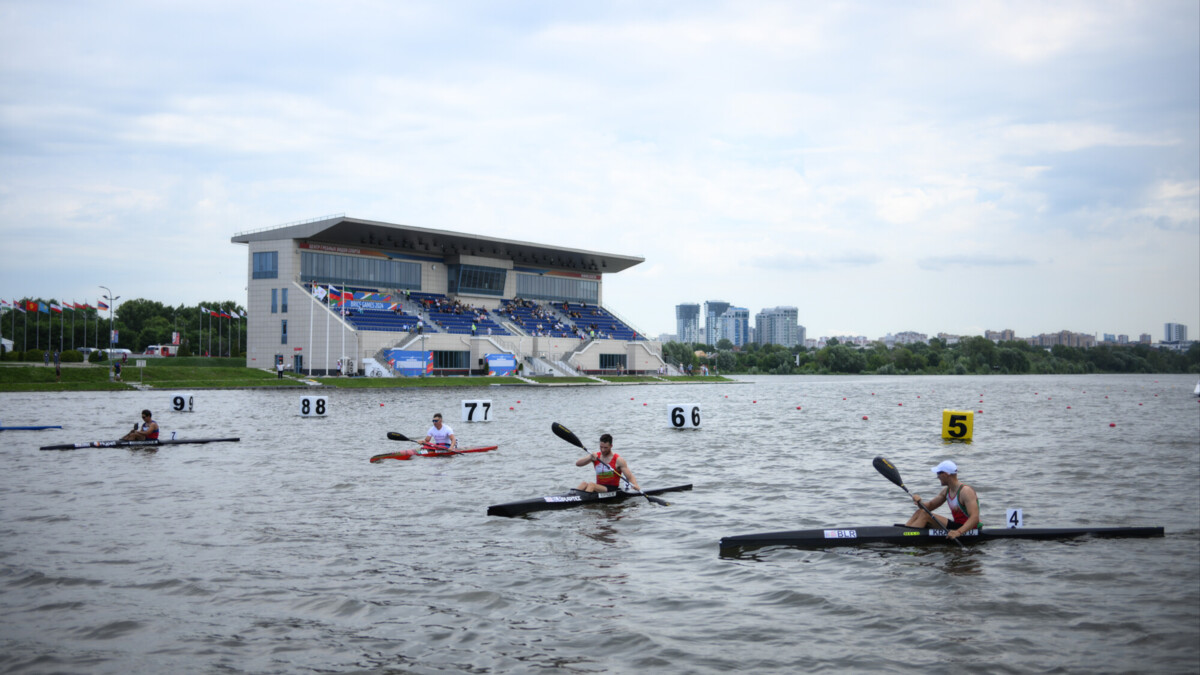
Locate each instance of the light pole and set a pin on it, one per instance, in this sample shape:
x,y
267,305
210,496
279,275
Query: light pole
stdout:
x,y
112,305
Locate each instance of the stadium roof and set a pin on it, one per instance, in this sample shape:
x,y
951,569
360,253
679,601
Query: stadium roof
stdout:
x,y
406,239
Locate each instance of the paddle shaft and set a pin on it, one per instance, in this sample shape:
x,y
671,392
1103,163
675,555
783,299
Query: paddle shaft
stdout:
x,y
566,434
397,436
890,472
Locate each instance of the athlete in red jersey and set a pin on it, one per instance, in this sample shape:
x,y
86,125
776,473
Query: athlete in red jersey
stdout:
x,y
148,432
609,468
964,504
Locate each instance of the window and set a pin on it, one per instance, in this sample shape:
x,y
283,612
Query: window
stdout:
x,y
283,332
274,300
476,279
283,300
266,265
612,361
451,360
343,269
547,287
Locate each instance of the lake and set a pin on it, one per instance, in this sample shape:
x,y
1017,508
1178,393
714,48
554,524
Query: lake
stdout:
x,y
289,552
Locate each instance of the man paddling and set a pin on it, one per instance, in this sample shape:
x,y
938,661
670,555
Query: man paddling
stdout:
x,y
441,435
964,504
148,432
607,464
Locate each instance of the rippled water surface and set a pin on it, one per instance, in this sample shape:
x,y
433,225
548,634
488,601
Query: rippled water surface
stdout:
x,y
289,552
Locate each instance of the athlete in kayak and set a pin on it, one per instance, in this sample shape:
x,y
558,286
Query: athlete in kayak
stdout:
x,y
148,432
964,504
441,435
607,479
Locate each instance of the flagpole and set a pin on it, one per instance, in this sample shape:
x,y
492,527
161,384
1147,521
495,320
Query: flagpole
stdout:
x,y
327,342
312,309
345,366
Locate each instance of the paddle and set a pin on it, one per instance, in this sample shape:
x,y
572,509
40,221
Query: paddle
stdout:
x,y
890,472
566,434
397,436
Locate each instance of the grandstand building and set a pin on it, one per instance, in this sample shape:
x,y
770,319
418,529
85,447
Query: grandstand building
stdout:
x,y
376,298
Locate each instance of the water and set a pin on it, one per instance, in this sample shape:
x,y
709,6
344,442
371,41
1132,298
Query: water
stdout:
x,y
289,552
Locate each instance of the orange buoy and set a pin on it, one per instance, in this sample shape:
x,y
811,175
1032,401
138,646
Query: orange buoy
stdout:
x,y
864,417
1112,424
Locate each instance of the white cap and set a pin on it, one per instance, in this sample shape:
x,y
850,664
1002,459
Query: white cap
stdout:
x,y
945,467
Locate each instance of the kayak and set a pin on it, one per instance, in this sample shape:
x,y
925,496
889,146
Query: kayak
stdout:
x,y
572,499
430,451
137,444
34,428
910,536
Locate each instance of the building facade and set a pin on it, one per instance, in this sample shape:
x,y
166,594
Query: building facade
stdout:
x,y
687,322
778,326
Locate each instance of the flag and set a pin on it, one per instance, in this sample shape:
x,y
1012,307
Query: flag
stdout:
x,y
31,306
100,305
41,307
334,296
17,306
56,308
319,292
214,313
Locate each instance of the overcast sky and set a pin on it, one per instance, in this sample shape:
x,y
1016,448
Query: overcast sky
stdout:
x,y
882,166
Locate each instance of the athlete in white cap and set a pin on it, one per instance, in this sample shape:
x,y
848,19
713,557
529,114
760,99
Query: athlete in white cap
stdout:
x,y
964,504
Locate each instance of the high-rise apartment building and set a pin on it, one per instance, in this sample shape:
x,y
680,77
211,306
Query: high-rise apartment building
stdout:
x,y
1174,332
713,309
778,326
734,325
687,322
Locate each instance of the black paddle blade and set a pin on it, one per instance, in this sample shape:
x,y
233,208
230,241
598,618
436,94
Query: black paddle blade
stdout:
x,y
656,500
397,436
566,434
889,471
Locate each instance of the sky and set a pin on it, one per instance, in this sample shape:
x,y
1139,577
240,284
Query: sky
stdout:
x,y
882,166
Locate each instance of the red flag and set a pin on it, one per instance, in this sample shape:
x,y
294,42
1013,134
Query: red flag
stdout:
x,y
31,305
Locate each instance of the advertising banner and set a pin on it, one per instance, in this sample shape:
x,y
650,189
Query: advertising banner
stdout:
x,y
501,364
410,363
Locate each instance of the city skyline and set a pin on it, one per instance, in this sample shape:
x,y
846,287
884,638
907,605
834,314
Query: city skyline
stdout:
x,y
1170,332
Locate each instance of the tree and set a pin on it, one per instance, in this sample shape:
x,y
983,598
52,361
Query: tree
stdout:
x,y
724,343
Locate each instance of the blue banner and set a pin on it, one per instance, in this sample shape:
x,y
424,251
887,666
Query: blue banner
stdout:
x,y
501,364
409,363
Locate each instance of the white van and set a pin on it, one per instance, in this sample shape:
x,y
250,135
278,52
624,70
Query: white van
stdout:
x,y
117,353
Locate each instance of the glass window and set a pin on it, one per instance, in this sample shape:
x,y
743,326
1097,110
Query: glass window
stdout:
x,y
343,269
476,279
283,332
560,289
266,265
283,300
274,300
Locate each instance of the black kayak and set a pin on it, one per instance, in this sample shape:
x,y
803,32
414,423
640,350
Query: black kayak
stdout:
x,y
155,443
911,536
572,499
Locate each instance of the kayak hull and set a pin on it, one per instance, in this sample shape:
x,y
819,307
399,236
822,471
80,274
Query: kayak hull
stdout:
x,y
148,445
908,536
572,499
428,451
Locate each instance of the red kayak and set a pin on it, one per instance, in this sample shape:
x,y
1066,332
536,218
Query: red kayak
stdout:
x,y
430,451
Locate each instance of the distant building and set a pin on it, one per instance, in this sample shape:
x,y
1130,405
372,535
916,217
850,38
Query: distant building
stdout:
x,y
1174,332
1063,337
1110,337
1145,339
777,326
713,309
1122,339
907,337
687,322
734,325
1000,335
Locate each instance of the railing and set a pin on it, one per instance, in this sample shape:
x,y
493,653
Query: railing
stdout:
x,y
298,222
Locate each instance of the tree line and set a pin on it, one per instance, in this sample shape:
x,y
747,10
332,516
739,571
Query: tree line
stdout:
x,y
138,323
969,356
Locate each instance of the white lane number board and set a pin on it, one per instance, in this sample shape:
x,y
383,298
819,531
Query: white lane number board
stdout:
x,y
314,406
684,415
1014,518
182,403
477,411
